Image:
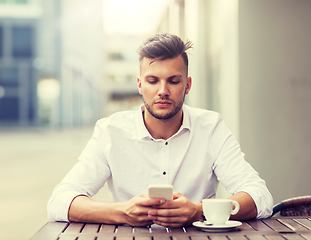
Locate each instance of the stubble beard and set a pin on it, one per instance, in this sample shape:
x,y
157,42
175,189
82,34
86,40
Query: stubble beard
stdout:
x,y
177,108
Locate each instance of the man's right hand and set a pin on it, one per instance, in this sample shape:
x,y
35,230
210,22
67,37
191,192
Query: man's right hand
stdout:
x,y
136,210
133,212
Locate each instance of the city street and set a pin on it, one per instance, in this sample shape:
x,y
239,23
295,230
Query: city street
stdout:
x,y
33,161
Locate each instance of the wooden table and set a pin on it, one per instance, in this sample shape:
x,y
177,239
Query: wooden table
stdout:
x,y
271,228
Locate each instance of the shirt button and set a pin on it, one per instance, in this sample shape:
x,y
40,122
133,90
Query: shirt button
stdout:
x,y
164,173
166,143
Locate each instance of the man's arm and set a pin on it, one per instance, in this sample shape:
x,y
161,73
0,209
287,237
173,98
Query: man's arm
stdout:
x,y
180,211
133,212
248,209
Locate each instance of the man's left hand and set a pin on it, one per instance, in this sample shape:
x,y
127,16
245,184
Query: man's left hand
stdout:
x,y
176,213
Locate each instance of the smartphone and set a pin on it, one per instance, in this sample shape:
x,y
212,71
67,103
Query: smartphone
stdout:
x,y
161,191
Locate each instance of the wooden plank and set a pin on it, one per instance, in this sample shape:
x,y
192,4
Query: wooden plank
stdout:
x,y
74,228
306,236
218,237
107,228
180,237
305,222
162,237
274,237
292,224
259,225
276,225
86,237
245,227
124,229
199,237
91,228
141,230
236,237
255,237
50,231
143,237
105,238
124,238
292,236
67,237
177,230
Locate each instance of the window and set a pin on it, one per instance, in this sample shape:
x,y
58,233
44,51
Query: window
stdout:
x,y
9,108
22,42
21,1
1,41
9,77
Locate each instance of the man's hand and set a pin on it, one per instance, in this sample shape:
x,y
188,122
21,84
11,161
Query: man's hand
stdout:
x,y
176,213
136,210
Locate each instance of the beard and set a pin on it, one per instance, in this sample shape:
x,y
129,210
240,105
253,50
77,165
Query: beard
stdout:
x,y
169,115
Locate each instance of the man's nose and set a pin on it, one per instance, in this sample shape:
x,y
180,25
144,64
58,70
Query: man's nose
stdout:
x,y
163,90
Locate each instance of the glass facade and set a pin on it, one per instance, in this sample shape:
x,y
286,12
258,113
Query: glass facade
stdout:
x,y
1,41
22,42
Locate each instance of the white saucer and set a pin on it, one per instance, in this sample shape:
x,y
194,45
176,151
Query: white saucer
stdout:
x,y
228,226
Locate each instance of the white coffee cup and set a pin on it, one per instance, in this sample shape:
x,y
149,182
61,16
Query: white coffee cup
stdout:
x,y
218,211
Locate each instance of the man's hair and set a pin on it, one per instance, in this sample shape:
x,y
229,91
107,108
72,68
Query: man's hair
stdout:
x,y
164,46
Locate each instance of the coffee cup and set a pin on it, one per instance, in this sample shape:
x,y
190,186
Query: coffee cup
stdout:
x,y
218,211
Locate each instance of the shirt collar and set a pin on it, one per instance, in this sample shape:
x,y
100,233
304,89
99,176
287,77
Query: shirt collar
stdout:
x,y
142,132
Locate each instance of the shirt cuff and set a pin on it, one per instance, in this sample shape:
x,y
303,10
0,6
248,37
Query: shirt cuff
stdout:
x,y
59,209
263,203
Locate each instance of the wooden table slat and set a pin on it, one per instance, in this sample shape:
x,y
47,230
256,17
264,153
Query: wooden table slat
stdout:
x,y
105,238
74,228
237,237
91,228
180,237
86,238
161,237
274,237
50,231
68,237
124,229
306,235
141,230
276,225
218,237
199,238
259,225
292,224
292,236
107,228
305,222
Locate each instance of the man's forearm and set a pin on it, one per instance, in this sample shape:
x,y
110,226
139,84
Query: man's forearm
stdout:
x,y
84,209
248,209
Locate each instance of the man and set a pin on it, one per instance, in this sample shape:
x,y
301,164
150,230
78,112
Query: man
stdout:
x,y
164,142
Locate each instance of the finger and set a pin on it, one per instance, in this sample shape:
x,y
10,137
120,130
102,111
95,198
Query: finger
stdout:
x,y
149,202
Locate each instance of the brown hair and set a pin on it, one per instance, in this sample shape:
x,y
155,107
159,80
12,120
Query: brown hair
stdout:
x,y
164,46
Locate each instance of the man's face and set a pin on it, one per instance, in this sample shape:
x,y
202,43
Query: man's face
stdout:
x,y
163,85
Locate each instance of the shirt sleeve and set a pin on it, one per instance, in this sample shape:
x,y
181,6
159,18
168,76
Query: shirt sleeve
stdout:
x,y
86,177
236,174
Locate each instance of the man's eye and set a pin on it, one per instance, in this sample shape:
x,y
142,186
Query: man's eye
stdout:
x,y
175,82
152,81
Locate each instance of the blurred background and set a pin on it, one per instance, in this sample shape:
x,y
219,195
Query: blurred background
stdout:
x,y
66,63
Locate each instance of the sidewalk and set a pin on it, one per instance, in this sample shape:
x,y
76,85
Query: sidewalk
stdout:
x,y
32,162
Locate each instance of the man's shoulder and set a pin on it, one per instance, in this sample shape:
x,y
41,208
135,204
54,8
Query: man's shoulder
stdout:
x,y
200,114
119,119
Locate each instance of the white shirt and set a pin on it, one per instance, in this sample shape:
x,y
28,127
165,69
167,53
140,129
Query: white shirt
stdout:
x,y
122,153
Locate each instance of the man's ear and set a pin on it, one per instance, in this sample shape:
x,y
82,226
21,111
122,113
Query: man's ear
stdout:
x,y
189,83
139,85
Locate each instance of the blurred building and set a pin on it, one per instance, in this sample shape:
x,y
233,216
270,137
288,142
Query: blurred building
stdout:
x,y
51,62
251,62
19,25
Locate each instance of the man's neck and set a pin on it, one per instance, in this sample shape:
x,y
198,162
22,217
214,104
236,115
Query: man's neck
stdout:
x,y
162,129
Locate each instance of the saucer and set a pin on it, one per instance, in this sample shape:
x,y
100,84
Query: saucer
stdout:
x,y
228,226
